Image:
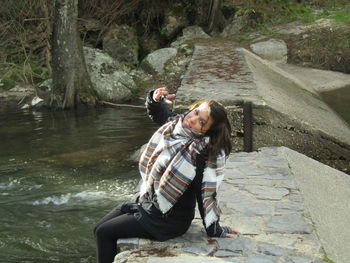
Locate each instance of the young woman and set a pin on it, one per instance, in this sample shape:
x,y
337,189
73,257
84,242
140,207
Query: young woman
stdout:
x,y
183,162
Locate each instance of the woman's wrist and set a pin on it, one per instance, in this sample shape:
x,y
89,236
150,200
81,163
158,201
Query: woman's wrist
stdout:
x,y
225,230
154,96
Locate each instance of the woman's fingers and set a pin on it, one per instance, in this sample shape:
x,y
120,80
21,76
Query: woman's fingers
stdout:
x,y
167,98
234,230
162,93
158,93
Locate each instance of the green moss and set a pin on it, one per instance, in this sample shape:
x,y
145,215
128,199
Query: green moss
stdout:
x,y
327,259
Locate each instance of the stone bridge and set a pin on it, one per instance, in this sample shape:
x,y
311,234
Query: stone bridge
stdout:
x,y
288,207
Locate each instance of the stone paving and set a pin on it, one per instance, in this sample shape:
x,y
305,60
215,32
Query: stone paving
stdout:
x,y
218,71
259,197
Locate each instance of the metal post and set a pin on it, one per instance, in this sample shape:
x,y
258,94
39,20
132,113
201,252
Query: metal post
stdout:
x,y
248,126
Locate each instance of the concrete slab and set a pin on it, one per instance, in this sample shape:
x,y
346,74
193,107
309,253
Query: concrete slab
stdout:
x,y
288,95
287,109
218,72
319,80
326,194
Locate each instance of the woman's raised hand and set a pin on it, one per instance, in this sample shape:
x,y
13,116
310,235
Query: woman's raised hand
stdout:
x,y
163,94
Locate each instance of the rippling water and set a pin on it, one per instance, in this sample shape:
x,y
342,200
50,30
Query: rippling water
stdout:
x,y
60,172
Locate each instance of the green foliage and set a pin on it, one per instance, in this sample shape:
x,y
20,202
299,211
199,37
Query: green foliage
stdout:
x,y
12,74
284,11
6,84
342,15
327,259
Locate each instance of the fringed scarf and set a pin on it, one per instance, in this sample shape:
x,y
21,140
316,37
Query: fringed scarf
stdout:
x,y
168,165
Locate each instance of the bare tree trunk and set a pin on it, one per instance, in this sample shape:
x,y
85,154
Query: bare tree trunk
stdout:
x,y
202,12
215,15
209,14
71,83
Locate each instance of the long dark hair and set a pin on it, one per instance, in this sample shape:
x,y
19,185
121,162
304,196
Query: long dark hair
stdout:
x,y
219,131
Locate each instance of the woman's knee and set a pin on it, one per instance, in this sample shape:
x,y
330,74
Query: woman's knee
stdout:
x,y
101,231
95,229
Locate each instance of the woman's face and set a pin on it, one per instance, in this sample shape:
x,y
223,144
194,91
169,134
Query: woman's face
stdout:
x,y
198,119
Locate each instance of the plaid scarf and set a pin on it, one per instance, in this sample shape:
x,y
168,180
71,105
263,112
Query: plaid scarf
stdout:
x,y
168,166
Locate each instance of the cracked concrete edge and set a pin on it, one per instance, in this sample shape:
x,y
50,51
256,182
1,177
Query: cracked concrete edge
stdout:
x,y
319,80
327,198
290,96
271,66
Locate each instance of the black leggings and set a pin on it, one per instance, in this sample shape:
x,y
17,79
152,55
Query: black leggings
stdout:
x,y
116,224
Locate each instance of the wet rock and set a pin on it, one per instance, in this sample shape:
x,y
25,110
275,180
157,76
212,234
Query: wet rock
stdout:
x,y
110,78
155,62
137,154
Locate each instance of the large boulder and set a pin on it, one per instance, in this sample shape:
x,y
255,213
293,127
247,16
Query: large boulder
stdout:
x,y
121,43
154,62
190,33
273,50
111,79
239,22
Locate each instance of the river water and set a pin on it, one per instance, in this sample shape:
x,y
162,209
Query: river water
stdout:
x,y
60,172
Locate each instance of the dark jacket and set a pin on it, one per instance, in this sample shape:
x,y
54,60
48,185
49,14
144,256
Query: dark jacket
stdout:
x,y
177,221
